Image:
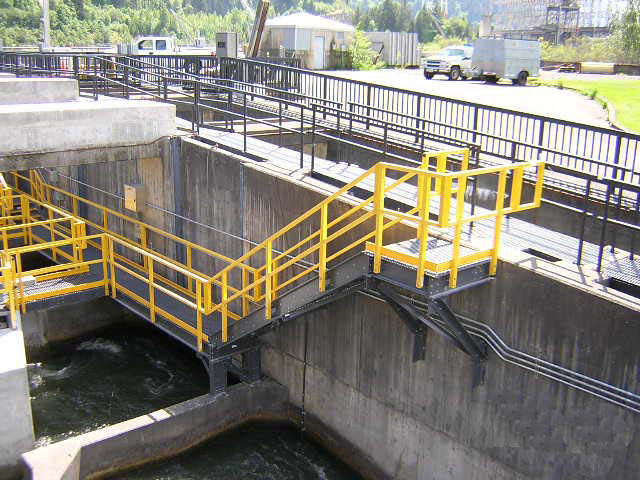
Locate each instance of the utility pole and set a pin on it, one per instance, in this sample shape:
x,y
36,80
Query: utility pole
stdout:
x,y
45,44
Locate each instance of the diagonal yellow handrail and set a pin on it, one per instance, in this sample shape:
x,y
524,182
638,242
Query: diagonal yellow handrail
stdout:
x,y
435,199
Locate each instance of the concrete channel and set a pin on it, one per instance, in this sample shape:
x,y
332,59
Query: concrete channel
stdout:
x,y
346,371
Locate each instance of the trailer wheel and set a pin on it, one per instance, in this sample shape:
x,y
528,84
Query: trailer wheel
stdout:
x,y
491,79
455,73
428,75
521,80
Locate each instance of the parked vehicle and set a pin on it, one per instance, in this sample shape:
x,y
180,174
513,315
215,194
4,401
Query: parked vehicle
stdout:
x,y
496,58
454,62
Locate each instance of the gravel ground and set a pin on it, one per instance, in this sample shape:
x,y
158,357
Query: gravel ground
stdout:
x,y
548,101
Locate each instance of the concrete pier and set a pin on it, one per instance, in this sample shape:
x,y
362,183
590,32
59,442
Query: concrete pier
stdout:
x,y
16,425
156,435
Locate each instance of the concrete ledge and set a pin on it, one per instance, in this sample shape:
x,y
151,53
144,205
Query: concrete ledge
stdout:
x,y
16,425
58,127
84,156
156,435
15,91
7,75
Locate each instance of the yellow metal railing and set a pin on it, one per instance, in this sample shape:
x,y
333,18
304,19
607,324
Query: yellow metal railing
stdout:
x,y
436,208
12,258
17,295
104,220
439,194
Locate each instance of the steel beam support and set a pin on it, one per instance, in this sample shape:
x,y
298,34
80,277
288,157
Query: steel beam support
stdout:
x,y
217,369
410,317
475,350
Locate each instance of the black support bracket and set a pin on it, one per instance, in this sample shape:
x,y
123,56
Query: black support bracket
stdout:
x,y
448,327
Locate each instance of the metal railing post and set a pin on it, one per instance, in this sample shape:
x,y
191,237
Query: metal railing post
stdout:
x,y
313,136
378,205
244,121
603,231
301,136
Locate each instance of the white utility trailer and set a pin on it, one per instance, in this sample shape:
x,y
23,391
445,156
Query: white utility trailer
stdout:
x,y
496,58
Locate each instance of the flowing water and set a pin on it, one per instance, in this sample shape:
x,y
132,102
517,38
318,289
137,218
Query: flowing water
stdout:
x,y
252,452
132,371
108,379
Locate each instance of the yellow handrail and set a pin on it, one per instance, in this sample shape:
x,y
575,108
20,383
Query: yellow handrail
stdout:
x,y
435,199
435,189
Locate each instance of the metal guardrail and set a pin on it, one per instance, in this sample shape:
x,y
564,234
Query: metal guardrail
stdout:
x,y
613,203
273,273
333,242
501,132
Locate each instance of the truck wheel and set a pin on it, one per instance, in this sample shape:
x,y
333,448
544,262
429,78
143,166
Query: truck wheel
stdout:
x,y
491,79
428,75
455,73
521,80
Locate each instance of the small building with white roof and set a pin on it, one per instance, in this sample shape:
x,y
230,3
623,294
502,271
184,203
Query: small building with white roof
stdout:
x,y
309,37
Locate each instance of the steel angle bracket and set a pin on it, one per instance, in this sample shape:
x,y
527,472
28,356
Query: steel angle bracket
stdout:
x,y
409,316
451,329
477,351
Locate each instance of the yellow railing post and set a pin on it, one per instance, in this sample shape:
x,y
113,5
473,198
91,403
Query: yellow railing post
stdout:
x,y
424,198
245,295
152,292
25,218
208,289
378,200
112,265
143,242
105,267
225,306
502,180
274,282
199,316
538,192
445,201
322,267
455,257
21,302
11,292
189,267
268,279
516,187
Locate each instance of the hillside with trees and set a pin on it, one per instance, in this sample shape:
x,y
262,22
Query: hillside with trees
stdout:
x,y
88,22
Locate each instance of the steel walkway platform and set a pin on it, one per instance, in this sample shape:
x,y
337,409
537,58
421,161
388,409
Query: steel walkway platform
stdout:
x,y
516,234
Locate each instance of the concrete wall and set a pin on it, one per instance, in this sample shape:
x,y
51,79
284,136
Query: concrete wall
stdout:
x,y
16,426
37,90
45,328
46,127
423,420
156,435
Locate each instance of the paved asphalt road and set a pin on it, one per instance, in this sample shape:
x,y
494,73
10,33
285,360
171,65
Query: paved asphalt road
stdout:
x,y
553,102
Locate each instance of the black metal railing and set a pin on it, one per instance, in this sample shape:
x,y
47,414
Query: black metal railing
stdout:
x,y
501,132
608,209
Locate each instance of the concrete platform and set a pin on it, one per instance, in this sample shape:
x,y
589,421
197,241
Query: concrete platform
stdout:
x,y
15,91
82,124
16,426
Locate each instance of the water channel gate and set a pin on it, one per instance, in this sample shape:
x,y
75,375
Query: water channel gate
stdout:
x,y
97,251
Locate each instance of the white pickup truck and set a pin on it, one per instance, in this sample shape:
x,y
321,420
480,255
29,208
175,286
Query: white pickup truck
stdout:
x,y
454,62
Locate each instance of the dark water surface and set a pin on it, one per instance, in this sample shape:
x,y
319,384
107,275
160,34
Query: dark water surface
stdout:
x,y
252,452
135,370
113,377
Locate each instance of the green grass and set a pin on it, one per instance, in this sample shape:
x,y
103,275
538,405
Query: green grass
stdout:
x,y
622,93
